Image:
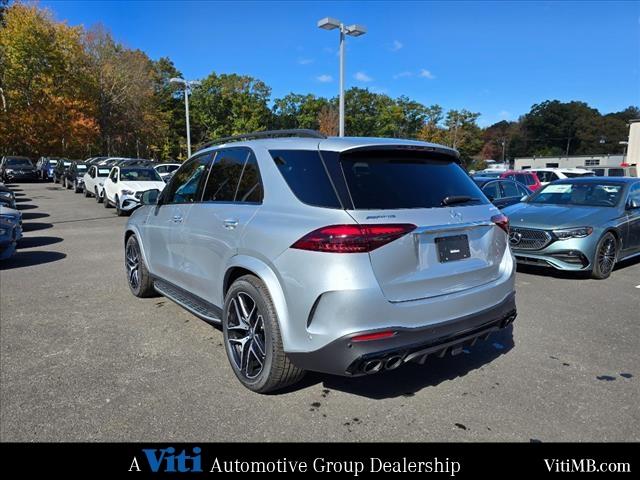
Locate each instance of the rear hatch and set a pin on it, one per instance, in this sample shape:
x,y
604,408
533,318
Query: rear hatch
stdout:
x,y
455,245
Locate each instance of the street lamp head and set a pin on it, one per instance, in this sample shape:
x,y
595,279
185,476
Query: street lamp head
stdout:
x,y
328,23
176,80
195,83
356,30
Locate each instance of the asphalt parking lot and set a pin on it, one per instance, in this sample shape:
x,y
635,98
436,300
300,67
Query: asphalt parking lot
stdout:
x,y
82,359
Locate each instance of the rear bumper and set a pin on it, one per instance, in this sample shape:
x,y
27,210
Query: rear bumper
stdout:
x,y
345,357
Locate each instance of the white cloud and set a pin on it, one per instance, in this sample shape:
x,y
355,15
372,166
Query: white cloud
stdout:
x,y
396,45
404,74
362,77
305,61
427,74
324,78
504,114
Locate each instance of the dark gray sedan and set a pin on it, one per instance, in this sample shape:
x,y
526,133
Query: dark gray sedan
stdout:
x,y
585,224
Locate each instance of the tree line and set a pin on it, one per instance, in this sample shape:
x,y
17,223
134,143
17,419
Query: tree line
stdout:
x,y
75,92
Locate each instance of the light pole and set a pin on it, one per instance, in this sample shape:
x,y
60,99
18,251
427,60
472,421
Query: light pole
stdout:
x,y
329,23
187,84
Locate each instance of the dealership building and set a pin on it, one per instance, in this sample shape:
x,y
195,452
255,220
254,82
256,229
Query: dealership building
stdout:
x,y
631,156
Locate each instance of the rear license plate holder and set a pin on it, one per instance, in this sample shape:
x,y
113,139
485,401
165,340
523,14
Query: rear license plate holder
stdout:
x,y
452,248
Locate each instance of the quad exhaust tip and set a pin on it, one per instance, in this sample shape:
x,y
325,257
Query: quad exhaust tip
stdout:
x,y
393,362
372,366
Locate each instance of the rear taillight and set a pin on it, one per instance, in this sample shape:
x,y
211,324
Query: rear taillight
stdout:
x,y
352,238
502,221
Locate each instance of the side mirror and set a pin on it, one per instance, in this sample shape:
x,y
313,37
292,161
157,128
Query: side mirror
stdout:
x,y
150,197
633,204
524,198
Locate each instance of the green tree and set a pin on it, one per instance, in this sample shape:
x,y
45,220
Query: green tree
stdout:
x,y
298,111
229,105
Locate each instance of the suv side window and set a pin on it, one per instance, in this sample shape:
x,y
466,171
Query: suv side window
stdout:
x,y
186,184
510,189
492,190
250,186
224,176
634,195
523,191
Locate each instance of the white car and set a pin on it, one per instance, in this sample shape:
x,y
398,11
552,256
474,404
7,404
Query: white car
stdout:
x,y
94,181
165,169
548,175
124,186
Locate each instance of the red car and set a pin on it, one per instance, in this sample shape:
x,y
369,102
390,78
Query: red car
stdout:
x,y
530,179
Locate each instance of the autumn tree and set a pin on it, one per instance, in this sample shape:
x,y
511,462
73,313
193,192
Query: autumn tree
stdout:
x,y
45,102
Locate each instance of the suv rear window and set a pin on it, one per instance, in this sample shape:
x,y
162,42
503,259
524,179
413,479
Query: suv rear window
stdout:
x,y
396,180
305,174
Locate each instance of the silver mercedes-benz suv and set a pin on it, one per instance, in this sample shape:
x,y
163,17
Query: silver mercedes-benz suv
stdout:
x,y
340,255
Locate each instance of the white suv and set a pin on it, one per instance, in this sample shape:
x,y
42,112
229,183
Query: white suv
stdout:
x,y
124,186
94,181
548,175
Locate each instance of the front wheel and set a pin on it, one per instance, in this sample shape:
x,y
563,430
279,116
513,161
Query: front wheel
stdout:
x,y
119,211
252,338
605,257
105,199
98,196
138,276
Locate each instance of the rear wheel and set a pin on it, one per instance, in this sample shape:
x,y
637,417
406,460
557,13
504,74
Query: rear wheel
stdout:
x,y
606,256
138,276
252,338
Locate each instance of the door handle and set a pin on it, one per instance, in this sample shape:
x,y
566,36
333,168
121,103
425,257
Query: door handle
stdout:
x,y
177,219
230,223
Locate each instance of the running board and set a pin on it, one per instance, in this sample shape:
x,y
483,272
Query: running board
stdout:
x,y
200,308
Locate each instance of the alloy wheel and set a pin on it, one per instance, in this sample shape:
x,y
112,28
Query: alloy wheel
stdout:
x,y
132,263
246,335
607,255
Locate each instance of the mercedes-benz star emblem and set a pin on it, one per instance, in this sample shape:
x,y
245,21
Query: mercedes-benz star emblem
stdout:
x,y
456,215
515,238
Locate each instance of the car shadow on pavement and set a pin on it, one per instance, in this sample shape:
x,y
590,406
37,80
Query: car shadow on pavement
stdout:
x,y
32,242
29,206
34,215
29,259
409,379
22,200
34,226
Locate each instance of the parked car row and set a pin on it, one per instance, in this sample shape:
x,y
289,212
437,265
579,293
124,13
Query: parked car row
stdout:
x,y
10,223
114,181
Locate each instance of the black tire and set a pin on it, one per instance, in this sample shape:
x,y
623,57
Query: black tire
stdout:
x,y
54,179
119,211
138,277
97,195
75,187
105,200
276,370
85,192
605,257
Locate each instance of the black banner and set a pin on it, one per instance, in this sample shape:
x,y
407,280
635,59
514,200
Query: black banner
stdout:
x,y
301,459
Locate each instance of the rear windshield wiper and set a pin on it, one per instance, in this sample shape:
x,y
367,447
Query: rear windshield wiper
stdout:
x,y
453,199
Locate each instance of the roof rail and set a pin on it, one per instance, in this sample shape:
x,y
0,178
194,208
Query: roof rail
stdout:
x,y
296,132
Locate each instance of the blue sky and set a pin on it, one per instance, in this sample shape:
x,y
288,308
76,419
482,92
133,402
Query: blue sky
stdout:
x,y
496,58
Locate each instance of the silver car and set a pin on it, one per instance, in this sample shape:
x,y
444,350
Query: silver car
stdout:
x,y
340,255
580,224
